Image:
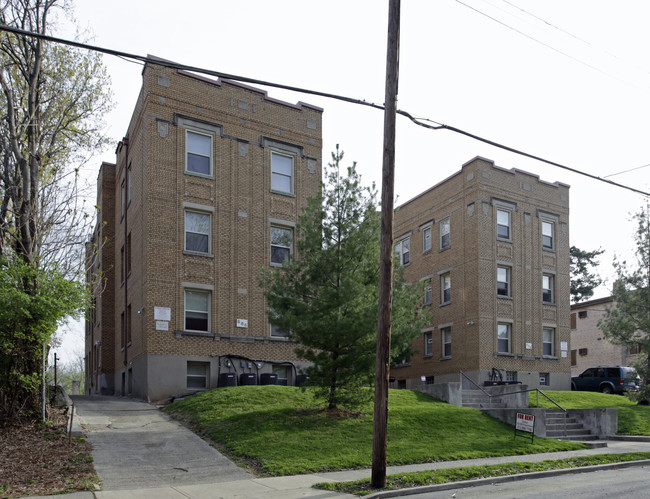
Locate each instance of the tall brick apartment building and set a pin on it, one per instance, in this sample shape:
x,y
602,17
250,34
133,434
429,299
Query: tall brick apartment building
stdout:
x,y
207,188
492,247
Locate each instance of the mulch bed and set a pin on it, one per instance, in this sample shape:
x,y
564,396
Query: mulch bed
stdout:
x,y
38,459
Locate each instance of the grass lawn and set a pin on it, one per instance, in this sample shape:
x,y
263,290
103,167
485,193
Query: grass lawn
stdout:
x,y
633,419
279,430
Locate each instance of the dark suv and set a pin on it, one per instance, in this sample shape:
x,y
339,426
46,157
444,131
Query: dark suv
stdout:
x,y
607,379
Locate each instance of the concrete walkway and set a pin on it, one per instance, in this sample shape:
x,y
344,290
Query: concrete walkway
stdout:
x,y
139,452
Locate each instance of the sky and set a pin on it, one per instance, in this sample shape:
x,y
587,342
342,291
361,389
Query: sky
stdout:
x,y
568,81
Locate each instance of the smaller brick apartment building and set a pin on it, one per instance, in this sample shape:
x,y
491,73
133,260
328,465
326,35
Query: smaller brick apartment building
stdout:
x,y
492,248
589,346
206,190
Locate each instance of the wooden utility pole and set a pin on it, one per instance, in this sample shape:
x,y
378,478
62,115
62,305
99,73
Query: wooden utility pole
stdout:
x,y
386,257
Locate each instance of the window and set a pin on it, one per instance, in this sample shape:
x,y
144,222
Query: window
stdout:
x,y
197,310
503,338
197,232
445,288
403,251
281,245
634,348
429,380
583,351
122,330
547,235
128,325
123,197
279,331
428,292
503,281
446,341
503,224
199,153
582,314
547,288
123,263
197,374
444,234
426,239
511,376
548,341
128,254
544,379
129,181
428,344
281,173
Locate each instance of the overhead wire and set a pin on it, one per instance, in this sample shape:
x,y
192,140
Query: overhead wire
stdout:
x,y
422,122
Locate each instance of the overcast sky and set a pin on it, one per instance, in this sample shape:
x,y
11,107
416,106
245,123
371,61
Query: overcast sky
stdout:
x,y
565,80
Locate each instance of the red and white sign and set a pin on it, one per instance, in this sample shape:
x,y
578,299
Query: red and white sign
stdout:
x,y
525,422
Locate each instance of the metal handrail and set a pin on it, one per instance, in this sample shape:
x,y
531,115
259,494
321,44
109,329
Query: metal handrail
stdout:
x,y
477,386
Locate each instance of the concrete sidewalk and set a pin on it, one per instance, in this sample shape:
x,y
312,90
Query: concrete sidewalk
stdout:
x,y
149,481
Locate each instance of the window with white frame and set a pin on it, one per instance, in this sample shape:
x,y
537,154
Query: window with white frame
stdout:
x,y
503,281
503,337
428,344
445,288
548,341
197,374
279,331
426,239
503,224
403,251
199,153
446,341
428,292
281,244
445,234
197,231
548,235
281,173
547,288
197,310
544,379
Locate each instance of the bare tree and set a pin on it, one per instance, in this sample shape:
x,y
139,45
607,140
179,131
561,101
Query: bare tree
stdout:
x,y
52,99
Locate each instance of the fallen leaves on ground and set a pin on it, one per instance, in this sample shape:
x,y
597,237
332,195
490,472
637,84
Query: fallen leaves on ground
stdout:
x,y
38,459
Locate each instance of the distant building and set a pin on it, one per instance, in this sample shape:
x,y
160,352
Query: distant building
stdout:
x,y
491,247
589,347
207,188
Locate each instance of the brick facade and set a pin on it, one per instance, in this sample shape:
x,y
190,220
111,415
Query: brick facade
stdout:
x,y
482,223
193,227
589,346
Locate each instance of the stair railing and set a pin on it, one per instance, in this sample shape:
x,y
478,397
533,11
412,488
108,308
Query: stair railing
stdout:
x,y
489,395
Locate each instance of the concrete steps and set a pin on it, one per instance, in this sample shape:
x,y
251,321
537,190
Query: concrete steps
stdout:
x,y
563,427
479,400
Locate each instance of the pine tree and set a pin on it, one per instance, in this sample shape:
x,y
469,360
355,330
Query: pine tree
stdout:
x,y
327,295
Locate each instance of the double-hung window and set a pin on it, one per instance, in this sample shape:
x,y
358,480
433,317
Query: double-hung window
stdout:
x,y
197,374
445,229
547,288
503,337
445,288
503,224
279,331
403,251
446,341
281,173
199,153
548,341
548,239
428,344
197,310
503,281
281,244
426,239
428,292
197,232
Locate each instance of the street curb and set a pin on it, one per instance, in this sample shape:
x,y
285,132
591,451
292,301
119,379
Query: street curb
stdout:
x,y
505,479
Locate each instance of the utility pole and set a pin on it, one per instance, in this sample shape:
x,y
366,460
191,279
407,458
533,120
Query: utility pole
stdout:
x,y
380,427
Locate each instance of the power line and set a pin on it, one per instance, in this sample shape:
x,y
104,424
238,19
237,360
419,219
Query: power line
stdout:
x,y
423,122
626,171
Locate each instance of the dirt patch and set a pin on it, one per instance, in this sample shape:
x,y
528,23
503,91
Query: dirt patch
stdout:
x,y
37,459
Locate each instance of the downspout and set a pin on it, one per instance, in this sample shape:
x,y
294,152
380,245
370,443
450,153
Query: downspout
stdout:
x,y
127,254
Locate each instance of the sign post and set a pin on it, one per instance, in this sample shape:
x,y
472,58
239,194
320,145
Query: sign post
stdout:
x,y
525,423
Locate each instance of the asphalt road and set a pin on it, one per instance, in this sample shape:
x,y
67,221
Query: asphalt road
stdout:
x,y
630,483
135,445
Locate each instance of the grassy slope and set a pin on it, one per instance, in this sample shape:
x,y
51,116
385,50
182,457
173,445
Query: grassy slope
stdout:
x,y
632,419
282,431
